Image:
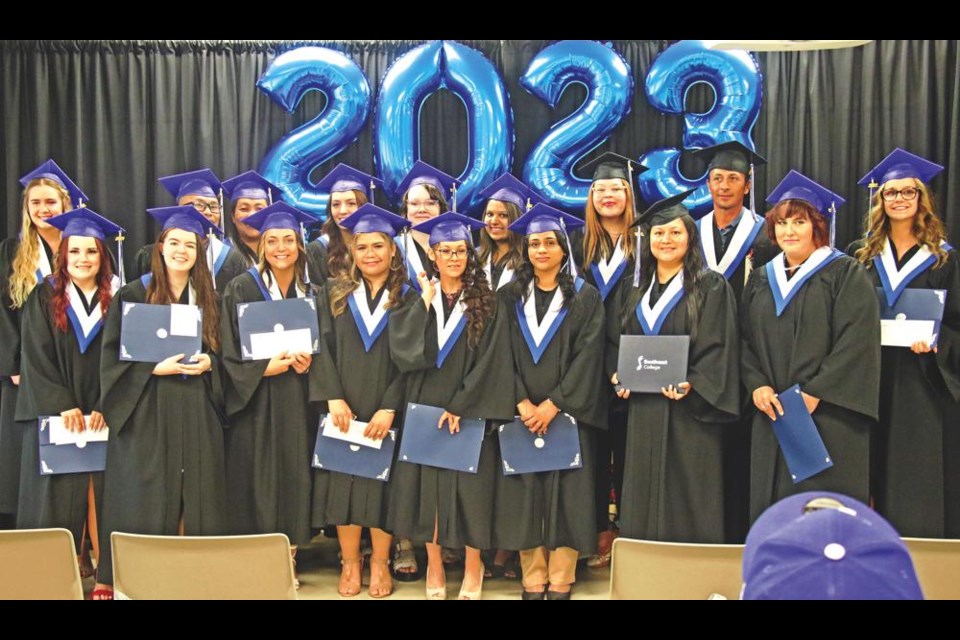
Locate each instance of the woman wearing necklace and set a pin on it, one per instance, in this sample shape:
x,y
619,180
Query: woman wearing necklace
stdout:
x,y
548,516
673,473
356,376
810,317
501,249
452,340
904,247
272,425
61,365
25,260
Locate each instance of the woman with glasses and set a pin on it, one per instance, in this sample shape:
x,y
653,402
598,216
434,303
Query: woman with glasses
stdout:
x,y
424,198
904,248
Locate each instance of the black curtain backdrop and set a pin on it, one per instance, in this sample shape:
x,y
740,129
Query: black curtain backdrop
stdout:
x,y
118,114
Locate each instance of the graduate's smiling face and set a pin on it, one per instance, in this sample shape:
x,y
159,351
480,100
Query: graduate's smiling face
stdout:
x,y
83,259
209,208
342,204
609,197
421,205
497,218
544,251
372,253
43,203
728,189
899,207
450,257
280,248
180,250
243,208
669,243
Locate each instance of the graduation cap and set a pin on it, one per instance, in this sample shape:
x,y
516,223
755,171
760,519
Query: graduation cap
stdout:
x,y
796,186
827,546
202,182
372,219
90,224
610,165
424,174
345,178
279,215
506,188
252,185
901,164
449,227
664,211
730,156
185,218
51,171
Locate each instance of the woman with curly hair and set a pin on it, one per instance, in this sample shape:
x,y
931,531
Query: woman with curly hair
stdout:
x,y
25,260
452,342
904,247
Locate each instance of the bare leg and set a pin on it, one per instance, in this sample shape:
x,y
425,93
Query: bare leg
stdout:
x,y
351,565
381,584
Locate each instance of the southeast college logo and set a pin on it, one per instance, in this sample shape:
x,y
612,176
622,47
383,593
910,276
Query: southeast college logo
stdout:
x,y
648,364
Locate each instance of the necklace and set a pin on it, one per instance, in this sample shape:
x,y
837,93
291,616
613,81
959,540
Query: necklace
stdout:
x,y
453,295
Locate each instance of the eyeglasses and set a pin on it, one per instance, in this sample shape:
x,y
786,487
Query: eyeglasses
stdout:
x,y
422,204
448,254
200,206
614,191
908,193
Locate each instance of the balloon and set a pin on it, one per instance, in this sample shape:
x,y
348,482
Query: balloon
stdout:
x,y
737,84
288,78
468,74
609,83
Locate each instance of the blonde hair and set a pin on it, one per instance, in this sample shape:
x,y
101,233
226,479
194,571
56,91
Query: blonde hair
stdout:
x,y
928,228
596,241
298,269
24,276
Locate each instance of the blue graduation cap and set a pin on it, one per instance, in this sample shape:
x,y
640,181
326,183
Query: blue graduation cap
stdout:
x,y
901,164
542,218
796,186
506,188
202,182
85,222
448,227
345,178
51,171
251,185
186,218
370,219
279,215
423,173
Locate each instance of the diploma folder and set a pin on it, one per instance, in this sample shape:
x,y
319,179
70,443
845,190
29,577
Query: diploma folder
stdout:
x,y
524,452
271,327
915,316
154,332
647,363
800,441
423,443
65,452
333,454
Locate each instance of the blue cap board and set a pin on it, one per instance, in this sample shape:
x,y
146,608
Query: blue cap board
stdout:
x,y
202,182
506,188
796,186
84,222
345,178
186,218
252,185
279,215
901,164
449,227
543,218
371,219
52,171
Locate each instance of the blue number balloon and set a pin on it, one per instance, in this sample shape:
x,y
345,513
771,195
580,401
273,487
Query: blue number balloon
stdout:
x,y
609,83
737,84
288,78
471,77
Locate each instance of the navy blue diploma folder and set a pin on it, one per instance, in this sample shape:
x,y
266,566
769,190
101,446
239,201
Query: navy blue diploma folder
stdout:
x,y
154,332
916,316
84,457
800,441
423,443
268,328
524,452
355,459
647,363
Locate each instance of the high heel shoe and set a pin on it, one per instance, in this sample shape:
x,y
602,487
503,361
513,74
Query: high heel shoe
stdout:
x,y
383,586
437,593
349,588
472,595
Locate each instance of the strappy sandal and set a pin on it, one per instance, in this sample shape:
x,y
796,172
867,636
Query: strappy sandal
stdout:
x,y
347,588
384,586
404,567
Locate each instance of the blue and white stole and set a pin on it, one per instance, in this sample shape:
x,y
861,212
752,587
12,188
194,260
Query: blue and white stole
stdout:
x,y
370,324
743,236
269,289
894,281
783,289
536,334
506,276
324,240
413,263
652,318
219,250
606,273
43,263
85,327
447,332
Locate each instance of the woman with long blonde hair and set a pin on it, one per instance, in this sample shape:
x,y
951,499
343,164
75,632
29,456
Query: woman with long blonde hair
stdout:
x,y
24,261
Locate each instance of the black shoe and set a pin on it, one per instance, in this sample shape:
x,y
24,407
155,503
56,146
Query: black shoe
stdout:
x,y
532,595
558,595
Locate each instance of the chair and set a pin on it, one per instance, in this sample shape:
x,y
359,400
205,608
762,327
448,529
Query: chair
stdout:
x,y
202,567
39,564
647,570
938,566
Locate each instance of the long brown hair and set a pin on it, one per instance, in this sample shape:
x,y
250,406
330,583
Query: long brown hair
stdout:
x,y
596,241
62,283
488,246
299,267
338,253
477,297
24,276
346,282
928,228
158,291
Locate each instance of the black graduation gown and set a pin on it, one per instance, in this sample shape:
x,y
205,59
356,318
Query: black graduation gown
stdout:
x,y
56,378
317,262
234,265
368,381
269,439
461,503
166,444
828,341
673,476
761,252
918,459
556,508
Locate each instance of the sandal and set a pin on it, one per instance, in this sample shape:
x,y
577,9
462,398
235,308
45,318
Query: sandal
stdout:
x,y
349,588
384,585
451,557
102,592
404,567
601,559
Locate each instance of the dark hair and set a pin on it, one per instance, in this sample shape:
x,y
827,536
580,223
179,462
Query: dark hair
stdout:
x,y
525,274
158,291
435,194
234,234
488,246
62,282
794,208
346,282
479,300
338,253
